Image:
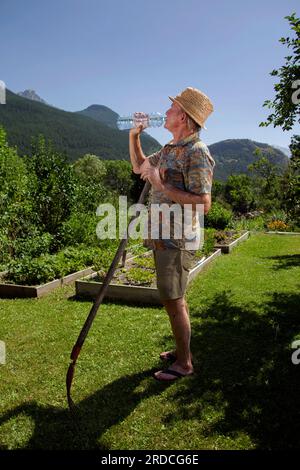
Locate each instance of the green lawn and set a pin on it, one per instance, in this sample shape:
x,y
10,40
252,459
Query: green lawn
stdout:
x,y
245,394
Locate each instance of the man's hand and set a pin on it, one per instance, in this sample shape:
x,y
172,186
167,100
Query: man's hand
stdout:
x,y
137,130
151,173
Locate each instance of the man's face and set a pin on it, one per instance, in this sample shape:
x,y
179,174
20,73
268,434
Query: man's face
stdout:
x,y
175,117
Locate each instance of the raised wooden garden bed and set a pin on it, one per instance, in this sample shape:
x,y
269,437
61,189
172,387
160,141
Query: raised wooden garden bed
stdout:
x,y
19,291
226,246
89,286
282,233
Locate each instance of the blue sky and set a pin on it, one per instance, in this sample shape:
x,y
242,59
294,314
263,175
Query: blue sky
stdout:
x,y
131,55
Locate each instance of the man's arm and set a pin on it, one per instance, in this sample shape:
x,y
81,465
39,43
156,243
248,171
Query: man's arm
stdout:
x,y
137,156
176,195
185,197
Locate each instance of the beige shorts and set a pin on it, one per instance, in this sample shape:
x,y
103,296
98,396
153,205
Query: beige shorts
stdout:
x,y
172,271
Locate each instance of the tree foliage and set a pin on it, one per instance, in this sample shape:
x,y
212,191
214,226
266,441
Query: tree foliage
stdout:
x,y
291,183
90,168
53,186
266,183
239,193
119,176
15,200
286,103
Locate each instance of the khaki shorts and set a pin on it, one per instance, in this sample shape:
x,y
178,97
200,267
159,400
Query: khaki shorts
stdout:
x,y
172,271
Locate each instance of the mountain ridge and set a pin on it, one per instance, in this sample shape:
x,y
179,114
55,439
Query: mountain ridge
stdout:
x,y
232,156
94,130
31,95
71,132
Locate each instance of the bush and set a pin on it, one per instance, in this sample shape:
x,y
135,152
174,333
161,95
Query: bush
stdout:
x,y
48,267
80,228
209,241
243,223
5,247
33,246
218,217
31,271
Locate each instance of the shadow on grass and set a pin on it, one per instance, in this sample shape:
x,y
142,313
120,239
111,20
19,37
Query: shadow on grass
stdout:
x,y
285,261
57,429
246,382
108,301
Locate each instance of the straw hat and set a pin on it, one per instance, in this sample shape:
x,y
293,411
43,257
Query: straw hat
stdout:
x,y
195,103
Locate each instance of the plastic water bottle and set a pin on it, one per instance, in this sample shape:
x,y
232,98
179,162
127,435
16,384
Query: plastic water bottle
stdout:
x,y
136,119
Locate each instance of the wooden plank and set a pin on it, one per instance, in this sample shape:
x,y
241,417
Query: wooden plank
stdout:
x,y
72,277
228,248
8,290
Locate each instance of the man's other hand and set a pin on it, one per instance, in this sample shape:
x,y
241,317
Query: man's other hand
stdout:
x,y
151,173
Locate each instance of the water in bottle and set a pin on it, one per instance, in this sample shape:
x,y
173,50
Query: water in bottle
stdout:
x,y
138,118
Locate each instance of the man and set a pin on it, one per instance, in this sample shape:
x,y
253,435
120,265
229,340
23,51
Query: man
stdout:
x,y
181,172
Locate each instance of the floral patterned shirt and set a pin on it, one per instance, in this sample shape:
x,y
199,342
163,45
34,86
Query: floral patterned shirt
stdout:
x,y
186,165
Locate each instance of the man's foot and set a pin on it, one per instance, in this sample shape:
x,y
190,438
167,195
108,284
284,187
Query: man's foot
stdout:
x,y
168,356
171,374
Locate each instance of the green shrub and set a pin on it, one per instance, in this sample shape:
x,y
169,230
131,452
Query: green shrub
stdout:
x,y
48,267
218,216
209,243
33,246
31,271
243,223
80,228
5,248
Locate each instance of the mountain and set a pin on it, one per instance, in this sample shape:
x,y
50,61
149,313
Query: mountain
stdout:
x,y
94,130
31,95
101,114
285,150
233,156
71,132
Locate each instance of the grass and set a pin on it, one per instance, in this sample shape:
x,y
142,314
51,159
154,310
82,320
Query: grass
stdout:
x,y
244,311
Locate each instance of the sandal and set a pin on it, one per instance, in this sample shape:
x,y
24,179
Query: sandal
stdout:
x,y
173,374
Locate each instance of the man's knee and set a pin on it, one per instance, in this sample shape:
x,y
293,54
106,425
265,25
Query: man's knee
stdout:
x,y
174,306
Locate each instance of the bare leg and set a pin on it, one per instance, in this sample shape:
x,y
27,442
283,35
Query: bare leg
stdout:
x,y
164,355
180,323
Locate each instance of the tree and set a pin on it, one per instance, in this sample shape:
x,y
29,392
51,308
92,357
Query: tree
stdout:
x,y
90,168
53,190
218,190
291,183
90,172
239,193
286,103
286,107
15,199
119,176
266,183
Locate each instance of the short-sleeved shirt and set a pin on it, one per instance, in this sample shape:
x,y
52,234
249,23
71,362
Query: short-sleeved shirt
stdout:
x,y
186,165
